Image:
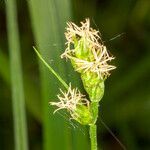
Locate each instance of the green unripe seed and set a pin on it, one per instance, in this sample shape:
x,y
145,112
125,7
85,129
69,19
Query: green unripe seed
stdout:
x,y
83,115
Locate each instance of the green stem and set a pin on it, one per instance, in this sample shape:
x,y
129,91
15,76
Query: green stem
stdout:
x,y
93,127
93,136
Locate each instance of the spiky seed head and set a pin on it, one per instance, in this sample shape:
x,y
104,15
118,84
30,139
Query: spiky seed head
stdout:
x,y
88,53
75,103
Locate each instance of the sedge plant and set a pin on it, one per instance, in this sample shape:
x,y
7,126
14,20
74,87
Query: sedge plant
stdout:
x,y
90,58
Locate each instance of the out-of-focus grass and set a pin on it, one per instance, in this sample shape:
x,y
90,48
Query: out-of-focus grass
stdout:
x,y
18,102
32,100
4,68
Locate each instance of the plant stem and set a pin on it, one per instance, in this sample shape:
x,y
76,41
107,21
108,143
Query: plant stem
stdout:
x,y
93,127
93,136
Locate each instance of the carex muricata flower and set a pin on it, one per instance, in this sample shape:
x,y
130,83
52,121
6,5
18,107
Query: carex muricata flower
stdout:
x,y
75,103
89,57
86,50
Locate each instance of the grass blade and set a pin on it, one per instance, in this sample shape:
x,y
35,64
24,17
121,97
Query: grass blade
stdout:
x,y
18,103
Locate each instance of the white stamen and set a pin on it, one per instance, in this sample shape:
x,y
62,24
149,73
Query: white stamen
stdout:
x,y
70,99
98,64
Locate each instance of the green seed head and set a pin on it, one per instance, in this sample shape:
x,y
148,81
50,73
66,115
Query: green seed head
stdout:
x,y
89,57
76,104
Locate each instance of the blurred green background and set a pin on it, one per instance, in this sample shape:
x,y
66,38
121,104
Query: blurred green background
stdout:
x,y
125,107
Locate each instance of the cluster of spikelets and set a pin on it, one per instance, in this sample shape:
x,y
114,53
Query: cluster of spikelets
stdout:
x,y
76,104
88,55
97,57
70,100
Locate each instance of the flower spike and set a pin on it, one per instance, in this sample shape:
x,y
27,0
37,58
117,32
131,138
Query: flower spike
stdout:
x,y
70,99
88,53
75,103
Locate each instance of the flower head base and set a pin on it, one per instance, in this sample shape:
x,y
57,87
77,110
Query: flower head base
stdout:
x,y
75,103
86,50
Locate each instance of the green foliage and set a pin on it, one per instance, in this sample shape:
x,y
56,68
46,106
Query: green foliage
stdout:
x,y
18,102
125,104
